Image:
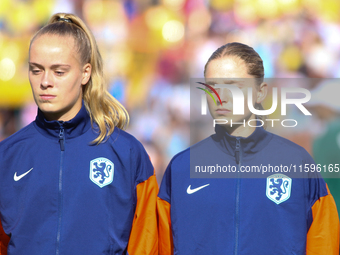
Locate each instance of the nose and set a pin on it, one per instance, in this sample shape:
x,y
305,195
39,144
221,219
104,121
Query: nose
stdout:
x,y
225,95
46,80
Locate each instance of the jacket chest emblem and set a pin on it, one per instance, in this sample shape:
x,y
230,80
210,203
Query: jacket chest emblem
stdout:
x,y
101,171
278,188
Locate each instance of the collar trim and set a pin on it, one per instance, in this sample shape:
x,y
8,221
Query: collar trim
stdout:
x,y
73,128
249,145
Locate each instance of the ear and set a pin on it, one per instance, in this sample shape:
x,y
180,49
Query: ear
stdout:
x,y
261,92
87,69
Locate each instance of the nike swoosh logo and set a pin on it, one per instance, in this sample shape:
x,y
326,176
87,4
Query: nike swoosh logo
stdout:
x,y
190,191
17,178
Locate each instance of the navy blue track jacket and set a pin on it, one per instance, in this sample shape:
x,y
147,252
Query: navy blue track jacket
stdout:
x,y
276,214
61,195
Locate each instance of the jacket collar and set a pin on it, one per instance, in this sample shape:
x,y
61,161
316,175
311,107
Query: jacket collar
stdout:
x,y
72,128
249,145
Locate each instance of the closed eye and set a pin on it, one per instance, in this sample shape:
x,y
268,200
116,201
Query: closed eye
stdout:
x,y
59,73
36,71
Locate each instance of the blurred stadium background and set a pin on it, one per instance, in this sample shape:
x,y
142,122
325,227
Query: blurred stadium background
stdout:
x,y
152,48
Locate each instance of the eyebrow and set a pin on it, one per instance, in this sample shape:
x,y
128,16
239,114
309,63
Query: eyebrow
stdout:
x,y
238,81
52,66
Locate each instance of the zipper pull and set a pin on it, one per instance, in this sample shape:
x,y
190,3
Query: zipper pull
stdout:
x,y
237,151
62,138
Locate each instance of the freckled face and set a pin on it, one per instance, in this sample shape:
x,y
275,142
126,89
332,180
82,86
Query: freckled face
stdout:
x,y
56,76
231,71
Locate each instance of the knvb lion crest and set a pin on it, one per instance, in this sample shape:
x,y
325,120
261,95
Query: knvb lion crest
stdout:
x,y
101,171
278,188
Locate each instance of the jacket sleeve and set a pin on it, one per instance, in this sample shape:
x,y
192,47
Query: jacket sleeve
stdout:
x,y
143,238
165,238
165,246
4,239
323,234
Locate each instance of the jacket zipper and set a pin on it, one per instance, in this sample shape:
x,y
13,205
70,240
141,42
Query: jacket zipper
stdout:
x,y
62,149
237,203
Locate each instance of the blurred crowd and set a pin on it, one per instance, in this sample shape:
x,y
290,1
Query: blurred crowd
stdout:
x,y
152,48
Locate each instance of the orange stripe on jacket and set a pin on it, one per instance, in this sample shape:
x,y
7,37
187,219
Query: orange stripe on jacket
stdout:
x,y
4,239
323,234
144,234
165,241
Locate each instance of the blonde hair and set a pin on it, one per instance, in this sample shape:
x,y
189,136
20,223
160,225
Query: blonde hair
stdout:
x,y
103,108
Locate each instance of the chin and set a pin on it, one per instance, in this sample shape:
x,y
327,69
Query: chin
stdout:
x,y
48,109
223,117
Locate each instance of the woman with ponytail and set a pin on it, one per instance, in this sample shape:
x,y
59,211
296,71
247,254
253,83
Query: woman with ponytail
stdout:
x,y
73,182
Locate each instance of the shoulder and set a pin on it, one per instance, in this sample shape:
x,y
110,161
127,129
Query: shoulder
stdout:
x,y
24,134
125,143
287,146
124,140
182,159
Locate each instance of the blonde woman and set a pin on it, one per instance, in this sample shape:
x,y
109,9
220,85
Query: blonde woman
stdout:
x,y
73,182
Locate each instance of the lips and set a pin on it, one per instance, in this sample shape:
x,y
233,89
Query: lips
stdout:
x,y
222,111
47,97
